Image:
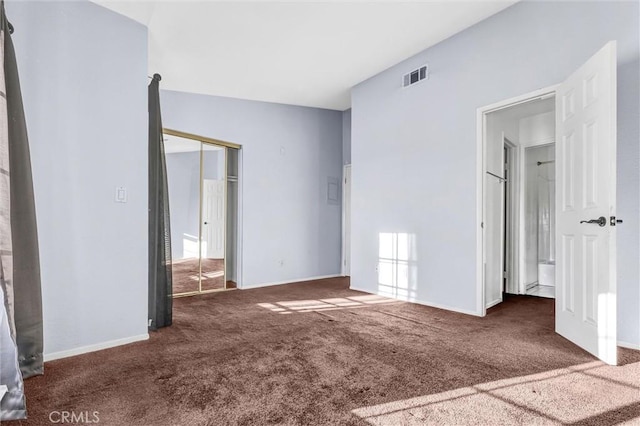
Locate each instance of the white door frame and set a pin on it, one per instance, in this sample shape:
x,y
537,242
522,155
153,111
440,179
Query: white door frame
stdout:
x,y
513,215
239,280
346,224
481,135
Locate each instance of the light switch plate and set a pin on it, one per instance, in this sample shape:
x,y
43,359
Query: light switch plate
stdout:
x,y
121,194
333,190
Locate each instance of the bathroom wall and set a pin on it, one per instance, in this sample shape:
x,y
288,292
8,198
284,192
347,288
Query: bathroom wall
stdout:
x,y
532,194
499,123
538,129
534,130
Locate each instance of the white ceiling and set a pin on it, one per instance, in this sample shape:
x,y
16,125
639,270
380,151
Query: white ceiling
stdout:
x,y
301,53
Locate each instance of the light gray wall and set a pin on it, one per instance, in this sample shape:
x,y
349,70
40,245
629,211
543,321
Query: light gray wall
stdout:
x,y
183,181
346,137
628,198
83,71
288,154
414,149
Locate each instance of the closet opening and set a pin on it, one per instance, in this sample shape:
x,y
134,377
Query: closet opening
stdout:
x,y
202,180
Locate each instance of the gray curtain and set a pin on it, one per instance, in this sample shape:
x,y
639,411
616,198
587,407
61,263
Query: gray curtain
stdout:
x,y
12,405
160,280
21,314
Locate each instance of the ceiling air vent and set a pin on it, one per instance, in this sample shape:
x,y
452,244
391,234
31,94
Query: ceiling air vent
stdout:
x,y
415,76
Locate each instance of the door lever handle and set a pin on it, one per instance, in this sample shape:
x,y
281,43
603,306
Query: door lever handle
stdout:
x,y
601,221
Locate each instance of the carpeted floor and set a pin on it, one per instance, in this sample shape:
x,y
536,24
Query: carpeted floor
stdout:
x,y
185,275
318,353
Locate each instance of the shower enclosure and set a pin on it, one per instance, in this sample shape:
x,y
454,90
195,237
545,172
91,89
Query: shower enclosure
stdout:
x,y
540,224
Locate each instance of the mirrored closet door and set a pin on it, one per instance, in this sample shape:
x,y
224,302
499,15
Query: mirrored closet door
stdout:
x,y
203,198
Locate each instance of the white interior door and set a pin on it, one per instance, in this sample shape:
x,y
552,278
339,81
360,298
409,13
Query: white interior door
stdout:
x,y
213,219
586,182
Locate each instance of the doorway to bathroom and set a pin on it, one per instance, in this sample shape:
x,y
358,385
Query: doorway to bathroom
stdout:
x,y
539,220
576,119
519,200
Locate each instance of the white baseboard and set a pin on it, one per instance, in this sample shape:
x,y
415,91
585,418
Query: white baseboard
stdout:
x,y
494,303
447,308
422,302
352,287
320,277
97,347
629,345
530,286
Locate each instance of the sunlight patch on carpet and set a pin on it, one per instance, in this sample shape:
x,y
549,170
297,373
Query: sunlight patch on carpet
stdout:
x,y
330,304
575,395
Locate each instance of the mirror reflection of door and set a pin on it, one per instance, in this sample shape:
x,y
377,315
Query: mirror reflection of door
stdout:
x,y
213,217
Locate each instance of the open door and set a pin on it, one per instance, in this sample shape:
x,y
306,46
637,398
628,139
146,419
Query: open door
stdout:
x,y
586,206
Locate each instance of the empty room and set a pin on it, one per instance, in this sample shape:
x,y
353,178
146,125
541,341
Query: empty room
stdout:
x,y
320,212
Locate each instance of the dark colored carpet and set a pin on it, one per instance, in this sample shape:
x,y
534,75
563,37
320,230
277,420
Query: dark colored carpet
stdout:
x,y
185,275
318,353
